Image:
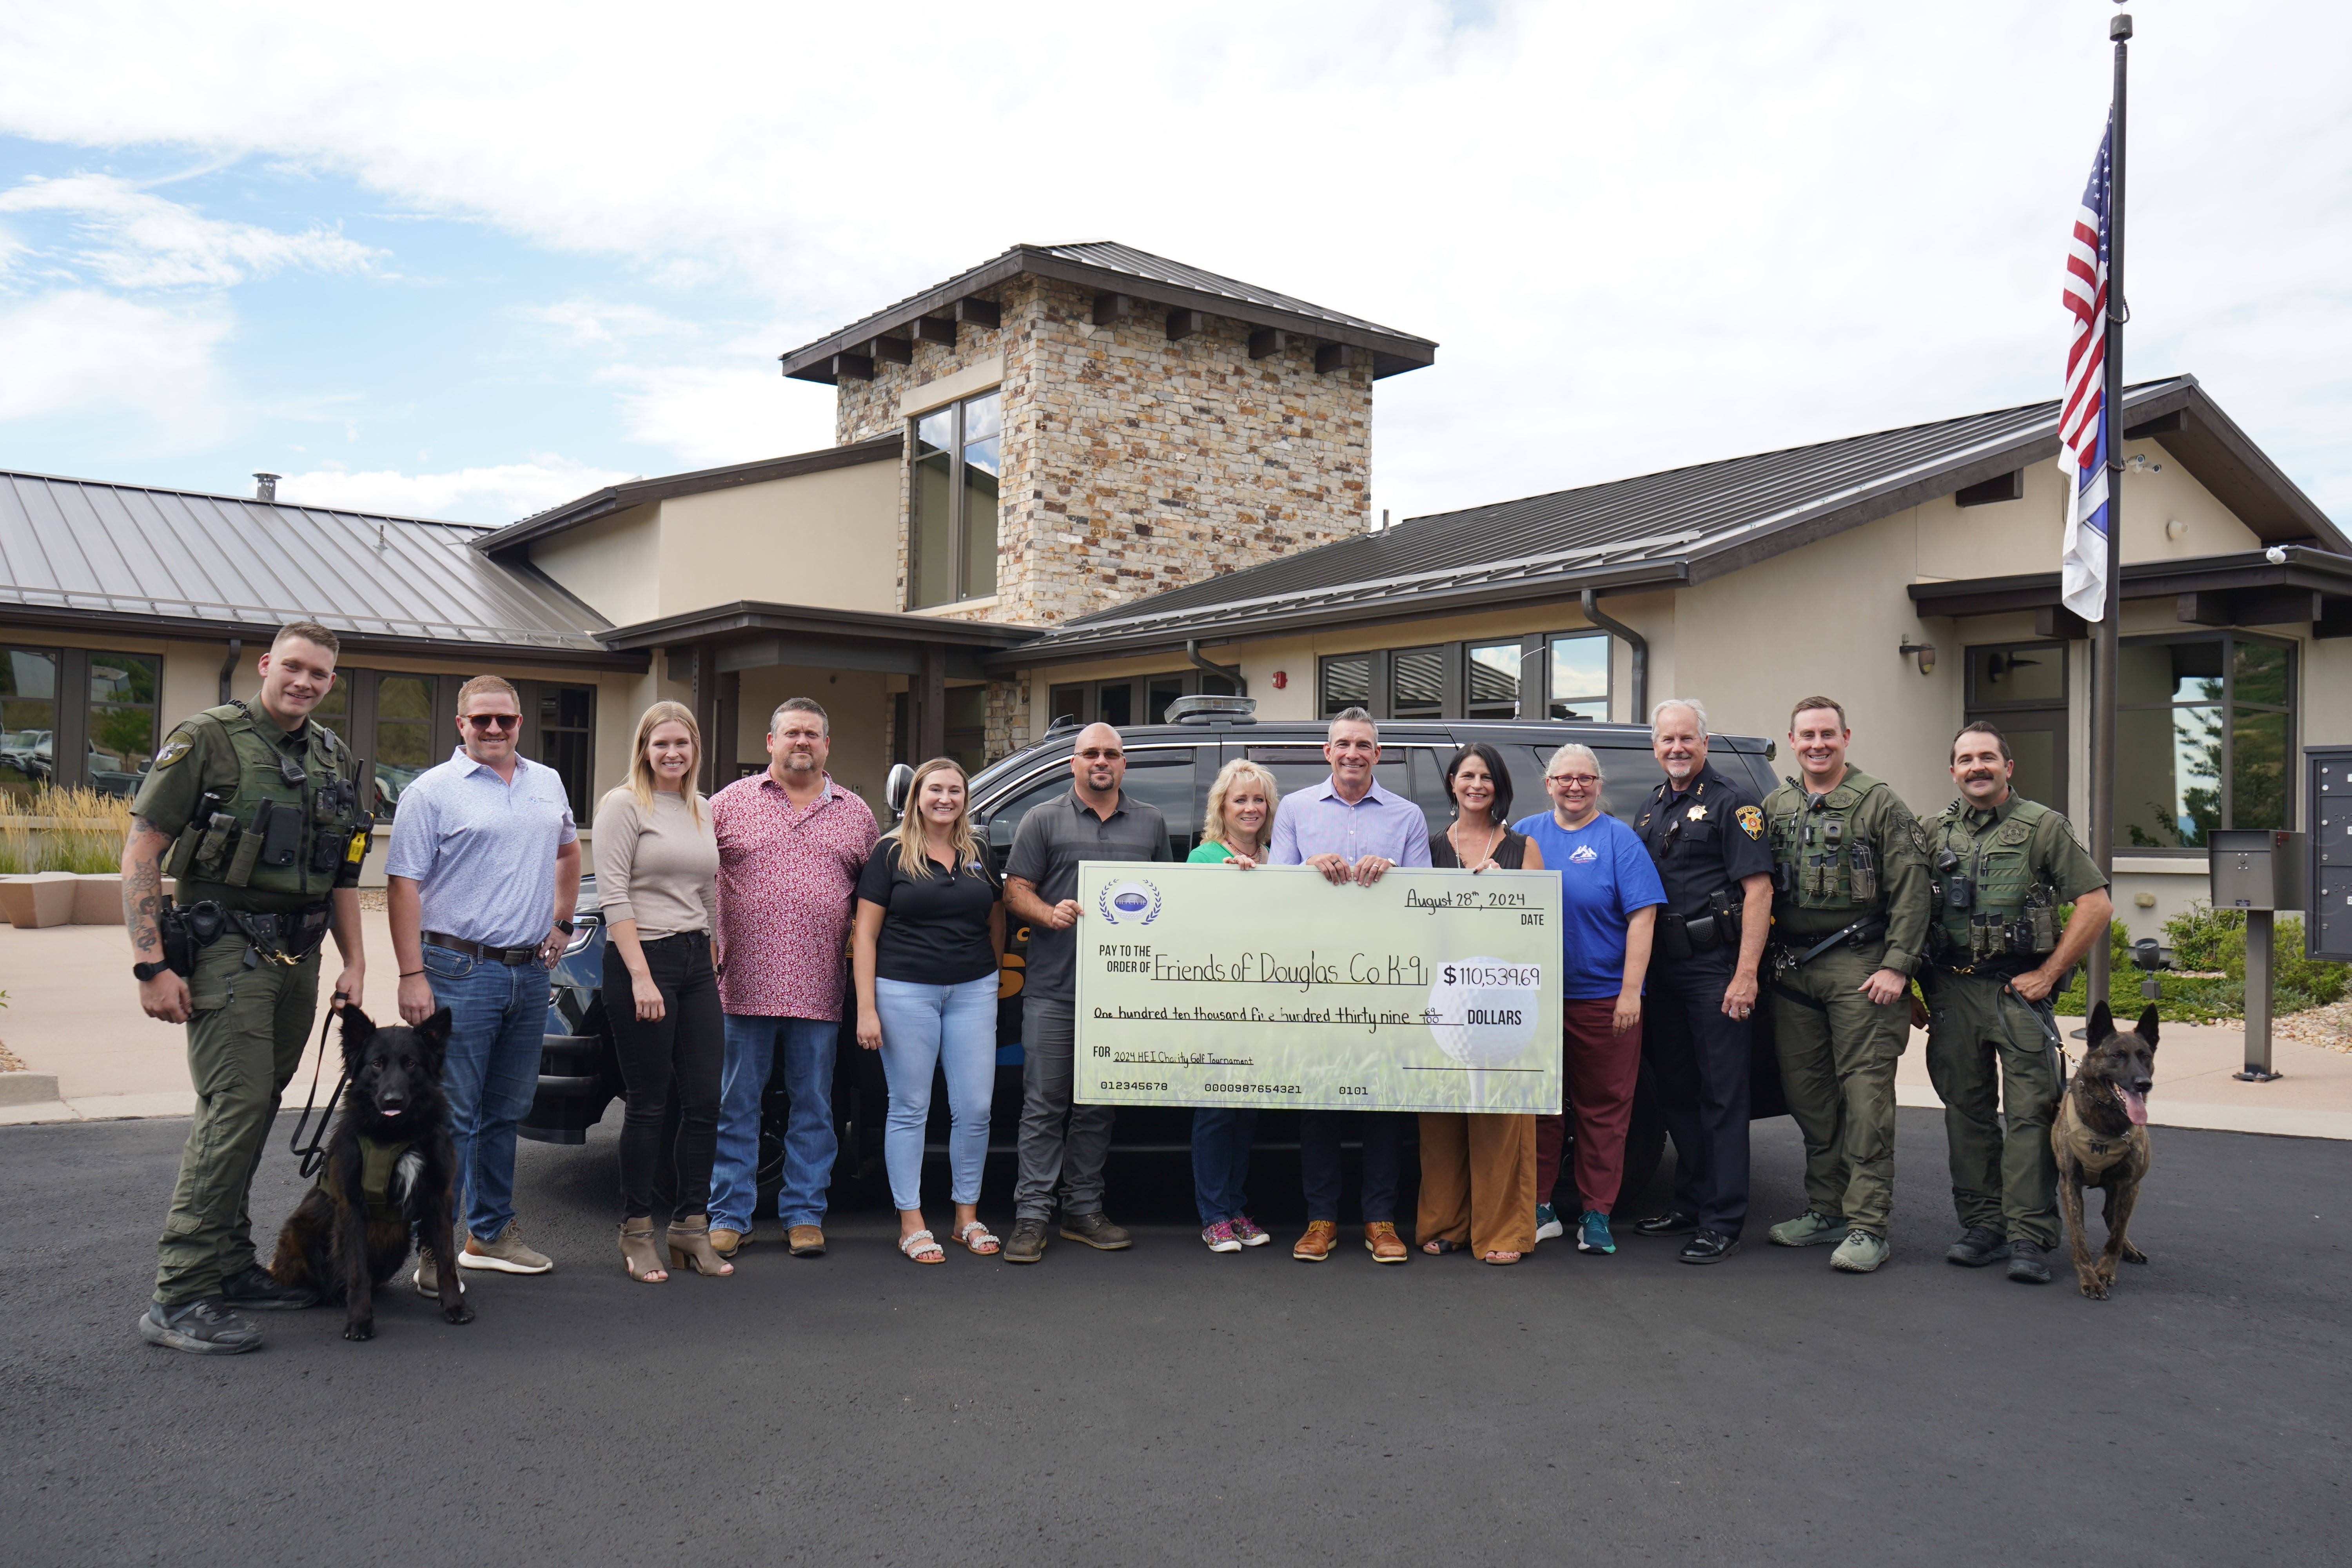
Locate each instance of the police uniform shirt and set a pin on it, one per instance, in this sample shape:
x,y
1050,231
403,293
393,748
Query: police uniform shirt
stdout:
x,y
199,756
1709,836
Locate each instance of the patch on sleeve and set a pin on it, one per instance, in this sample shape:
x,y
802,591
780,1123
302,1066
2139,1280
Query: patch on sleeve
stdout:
x,y
174,750
1751,820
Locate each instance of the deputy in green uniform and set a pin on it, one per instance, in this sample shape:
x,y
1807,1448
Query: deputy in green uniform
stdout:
x,y
2002,865
1850,911
255,810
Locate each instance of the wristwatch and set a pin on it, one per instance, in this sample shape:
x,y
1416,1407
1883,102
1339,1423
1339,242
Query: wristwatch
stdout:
x,y
564,926
146,971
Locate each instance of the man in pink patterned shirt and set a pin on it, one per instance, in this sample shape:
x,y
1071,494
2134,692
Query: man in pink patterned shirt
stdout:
x,y
790,844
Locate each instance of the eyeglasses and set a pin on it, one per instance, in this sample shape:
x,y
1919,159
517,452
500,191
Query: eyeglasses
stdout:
x,y
491,721
1573,781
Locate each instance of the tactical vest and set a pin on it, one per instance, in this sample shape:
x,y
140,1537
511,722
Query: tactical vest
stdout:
x,y
379,1170
1988,902
1821,856
273,832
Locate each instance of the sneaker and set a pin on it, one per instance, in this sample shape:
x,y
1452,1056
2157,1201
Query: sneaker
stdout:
x,y
427,1278
1593,1232
1860,1253
1221,1237
256,1290
1979,1246
505,1252
1248,1231
2025,1264
1027,1242
204,1327
1809,1228
1548,1226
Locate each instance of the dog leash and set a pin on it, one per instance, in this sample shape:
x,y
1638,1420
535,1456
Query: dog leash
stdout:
x,y
314,1154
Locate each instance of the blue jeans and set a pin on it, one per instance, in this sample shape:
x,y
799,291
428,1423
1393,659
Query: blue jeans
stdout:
x,y
1221,1157
925,1027
809,1141
498,1021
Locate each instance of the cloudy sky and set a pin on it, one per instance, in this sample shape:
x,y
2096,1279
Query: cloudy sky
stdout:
x,y
468,261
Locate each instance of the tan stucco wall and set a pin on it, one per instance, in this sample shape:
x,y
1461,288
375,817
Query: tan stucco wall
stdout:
x,y
857,707
828,538
612,564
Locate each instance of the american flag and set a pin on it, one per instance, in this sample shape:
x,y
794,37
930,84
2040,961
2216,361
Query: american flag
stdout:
x,y
2083,432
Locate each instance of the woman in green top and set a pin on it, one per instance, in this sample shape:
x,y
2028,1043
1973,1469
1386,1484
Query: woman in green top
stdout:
x,y
1240,822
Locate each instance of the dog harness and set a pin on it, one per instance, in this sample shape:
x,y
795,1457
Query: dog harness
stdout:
x,y
379,1170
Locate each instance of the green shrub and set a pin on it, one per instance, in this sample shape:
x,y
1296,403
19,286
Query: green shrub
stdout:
x,y
2214,940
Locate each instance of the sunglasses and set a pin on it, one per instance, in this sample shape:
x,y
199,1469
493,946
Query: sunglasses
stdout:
x,y
492,721
1101,756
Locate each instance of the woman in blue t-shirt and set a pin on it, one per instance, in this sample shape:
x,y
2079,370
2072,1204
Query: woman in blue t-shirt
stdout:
x,y
1610,895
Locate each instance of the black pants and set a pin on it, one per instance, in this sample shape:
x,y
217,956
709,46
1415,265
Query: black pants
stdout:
x,y
1698,1060
1319,1162
671,1067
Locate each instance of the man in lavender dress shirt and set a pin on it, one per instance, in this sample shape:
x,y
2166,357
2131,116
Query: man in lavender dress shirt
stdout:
x,y
1352,831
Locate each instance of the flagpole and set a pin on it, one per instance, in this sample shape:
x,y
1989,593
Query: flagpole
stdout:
x,y
2104,673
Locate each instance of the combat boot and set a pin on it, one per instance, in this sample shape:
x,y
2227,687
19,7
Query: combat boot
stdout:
x,y
204,1327
1976,1249
2025,1264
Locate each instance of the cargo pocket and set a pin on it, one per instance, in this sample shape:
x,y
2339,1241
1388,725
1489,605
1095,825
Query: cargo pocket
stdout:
x,y
213,984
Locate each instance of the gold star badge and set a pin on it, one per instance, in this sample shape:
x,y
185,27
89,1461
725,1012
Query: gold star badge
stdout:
x,y
1698,813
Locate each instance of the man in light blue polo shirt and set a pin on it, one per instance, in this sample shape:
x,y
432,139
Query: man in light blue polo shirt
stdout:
x,y
1352,831
484,871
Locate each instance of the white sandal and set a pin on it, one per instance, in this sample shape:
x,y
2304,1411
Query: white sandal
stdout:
x,y
972,1235
921,1242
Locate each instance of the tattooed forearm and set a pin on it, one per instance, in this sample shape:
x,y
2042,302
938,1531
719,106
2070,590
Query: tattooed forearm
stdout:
x,y
142,887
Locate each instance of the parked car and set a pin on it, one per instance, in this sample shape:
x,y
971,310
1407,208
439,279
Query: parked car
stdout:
x,y
1171,766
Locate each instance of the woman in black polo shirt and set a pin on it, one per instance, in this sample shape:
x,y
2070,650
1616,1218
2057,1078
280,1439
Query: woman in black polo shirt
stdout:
x,y
930,926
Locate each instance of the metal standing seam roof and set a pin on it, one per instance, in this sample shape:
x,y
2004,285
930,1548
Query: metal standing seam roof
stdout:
x,y
1680,525
1107,265
85,548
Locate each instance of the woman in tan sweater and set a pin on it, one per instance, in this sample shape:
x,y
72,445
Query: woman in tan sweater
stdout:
x,y
656,865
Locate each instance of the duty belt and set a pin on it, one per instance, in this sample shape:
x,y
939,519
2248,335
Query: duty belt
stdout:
x,y
287,939
1870,928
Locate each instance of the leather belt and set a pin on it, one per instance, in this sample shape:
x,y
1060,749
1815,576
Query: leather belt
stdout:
x,y
512,957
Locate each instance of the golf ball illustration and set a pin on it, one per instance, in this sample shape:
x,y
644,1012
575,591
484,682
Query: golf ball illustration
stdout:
x,y
1482,1011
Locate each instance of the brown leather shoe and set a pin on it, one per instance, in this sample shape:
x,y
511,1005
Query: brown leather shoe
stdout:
x,y
1384,1244
805,1240
728,1243
1316,1246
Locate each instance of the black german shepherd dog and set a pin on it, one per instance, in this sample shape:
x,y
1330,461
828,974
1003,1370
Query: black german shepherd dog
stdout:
x,y
389,1166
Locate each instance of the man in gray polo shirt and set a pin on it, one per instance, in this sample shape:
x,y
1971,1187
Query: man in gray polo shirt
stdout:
x,y
484,871
1095,821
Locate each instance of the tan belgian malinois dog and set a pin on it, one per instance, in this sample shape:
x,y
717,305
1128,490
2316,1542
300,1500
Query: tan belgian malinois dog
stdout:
x,y
2100,1137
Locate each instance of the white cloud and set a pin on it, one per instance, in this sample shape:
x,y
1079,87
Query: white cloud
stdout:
x,y
1641,239
139,240
583,322
499,494
712,414
77,351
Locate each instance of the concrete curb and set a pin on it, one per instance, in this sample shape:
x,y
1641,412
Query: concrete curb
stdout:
x,y
2273,1121
100,1108
27,1088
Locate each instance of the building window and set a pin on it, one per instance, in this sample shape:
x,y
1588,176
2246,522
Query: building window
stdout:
x,y
1129,699
404,736
1576,678
1346,683
958,452
1417,682
2021,688
566,719
2204,729
28,719
1495,679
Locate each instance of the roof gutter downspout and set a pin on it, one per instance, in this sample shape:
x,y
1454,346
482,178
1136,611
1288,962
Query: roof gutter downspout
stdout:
x,y
1234,674
1634,640
229,666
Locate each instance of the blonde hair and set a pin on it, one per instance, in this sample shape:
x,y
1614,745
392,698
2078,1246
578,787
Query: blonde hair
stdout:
x,y
481,683
641,769
1241,770
913,850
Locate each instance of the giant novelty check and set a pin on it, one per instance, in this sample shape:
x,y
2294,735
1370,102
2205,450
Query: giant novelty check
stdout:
x,y
1201,984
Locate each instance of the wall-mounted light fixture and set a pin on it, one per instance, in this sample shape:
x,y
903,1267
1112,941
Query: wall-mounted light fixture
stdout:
x,y
1926,652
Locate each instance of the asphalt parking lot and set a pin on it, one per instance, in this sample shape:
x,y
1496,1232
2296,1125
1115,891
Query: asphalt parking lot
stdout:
x,y
1168,1405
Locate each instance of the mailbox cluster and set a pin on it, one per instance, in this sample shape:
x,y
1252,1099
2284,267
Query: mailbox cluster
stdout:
x,y
2328,928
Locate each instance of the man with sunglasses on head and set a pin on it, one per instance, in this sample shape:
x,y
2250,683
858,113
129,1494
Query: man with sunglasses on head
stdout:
x,y
484,872
252,809
1063,1143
